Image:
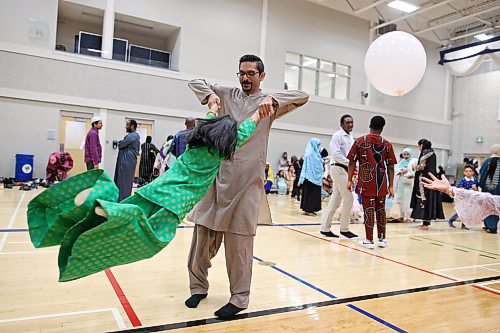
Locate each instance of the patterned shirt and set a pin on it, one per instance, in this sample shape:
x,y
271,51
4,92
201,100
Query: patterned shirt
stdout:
x,y
373,153
473,207
467,183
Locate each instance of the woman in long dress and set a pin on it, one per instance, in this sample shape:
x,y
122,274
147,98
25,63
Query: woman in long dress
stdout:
x,y
426,203
95,232
405,176
311,178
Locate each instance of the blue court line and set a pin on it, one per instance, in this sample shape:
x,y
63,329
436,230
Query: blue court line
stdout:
x,y
300,280
353,307
13,230
397,329
294,224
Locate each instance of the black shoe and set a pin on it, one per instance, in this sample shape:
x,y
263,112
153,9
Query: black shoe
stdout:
x,y
464,227
193,301
328,234
227,311
348,234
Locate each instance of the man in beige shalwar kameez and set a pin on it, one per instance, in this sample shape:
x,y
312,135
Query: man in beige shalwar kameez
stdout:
x,y
236,202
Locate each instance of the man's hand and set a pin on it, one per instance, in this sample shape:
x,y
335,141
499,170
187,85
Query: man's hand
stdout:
x,y
391,192
96,166
350,186
266,107
212,100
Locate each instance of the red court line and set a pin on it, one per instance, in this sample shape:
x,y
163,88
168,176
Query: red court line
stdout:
x,y
123,300
373,254
384,258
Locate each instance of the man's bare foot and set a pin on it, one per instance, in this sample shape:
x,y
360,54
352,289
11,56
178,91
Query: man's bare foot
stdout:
x,y
101,212
423,227
82,196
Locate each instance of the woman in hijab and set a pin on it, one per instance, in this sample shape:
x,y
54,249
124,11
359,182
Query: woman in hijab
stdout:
x,y
489,181
284,164
426,203
405,176
164,159
311,178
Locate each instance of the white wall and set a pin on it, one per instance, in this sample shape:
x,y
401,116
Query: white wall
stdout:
x,y
305,28
15,19
214,34
476,112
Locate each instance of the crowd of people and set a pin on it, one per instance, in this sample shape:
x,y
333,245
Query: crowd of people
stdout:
x,y
225,195
319,175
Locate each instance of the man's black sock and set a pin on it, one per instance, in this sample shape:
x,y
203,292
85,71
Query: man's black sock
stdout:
x,y
194,300
228,310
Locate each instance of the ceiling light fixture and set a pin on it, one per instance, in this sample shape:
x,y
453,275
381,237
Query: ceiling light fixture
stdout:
x,y
403,6
483,37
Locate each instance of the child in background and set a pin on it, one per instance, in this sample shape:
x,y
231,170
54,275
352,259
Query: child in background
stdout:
x,y
282,188
468,182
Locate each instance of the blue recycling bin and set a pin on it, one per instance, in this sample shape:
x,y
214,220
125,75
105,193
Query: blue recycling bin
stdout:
x,y
24,167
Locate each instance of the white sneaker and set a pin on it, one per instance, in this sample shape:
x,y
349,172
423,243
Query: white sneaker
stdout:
x,y
367,244
382,242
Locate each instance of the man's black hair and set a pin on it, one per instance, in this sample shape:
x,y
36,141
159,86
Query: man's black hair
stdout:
x,y
149,139
377,123
133,123
342,119
252,58
220,133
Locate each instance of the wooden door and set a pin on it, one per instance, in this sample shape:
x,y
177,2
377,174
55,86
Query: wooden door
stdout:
x,y
72,140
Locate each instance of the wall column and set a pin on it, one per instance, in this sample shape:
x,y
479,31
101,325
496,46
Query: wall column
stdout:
x,y
108,30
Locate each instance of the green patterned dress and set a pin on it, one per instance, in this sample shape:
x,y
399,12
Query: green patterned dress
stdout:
x,y
136,228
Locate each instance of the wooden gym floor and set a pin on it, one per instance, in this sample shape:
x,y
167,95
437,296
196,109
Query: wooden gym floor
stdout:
x,y
442,280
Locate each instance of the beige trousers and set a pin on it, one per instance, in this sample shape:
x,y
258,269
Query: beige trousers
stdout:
x,y
239,259
340,194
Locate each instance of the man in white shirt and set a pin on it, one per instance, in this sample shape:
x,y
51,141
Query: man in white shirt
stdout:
x,y
340,145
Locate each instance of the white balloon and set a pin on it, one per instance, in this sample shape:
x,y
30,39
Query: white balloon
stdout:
x,y
395,63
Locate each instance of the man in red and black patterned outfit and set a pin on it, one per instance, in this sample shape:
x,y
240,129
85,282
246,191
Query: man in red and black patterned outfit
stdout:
x,y
376,164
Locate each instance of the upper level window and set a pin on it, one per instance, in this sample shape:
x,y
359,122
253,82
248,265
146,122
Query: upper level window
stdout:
x,y
317,77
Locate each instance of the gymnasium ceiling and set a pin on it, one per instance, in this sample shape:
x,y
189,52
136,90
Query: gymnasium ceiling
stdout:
x,y
446,22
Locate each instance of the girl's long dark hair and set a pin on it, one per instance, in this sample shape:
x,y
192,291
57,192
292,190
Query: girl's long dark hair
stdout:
x,y
220,133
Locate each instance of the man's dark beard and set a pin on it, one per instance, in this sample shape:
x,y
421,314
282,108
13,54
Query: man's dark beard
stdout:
x,y
249,89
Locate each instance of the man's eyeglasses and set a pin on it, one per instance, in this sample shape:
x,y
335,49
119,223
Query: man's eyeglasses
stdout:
x,y
248,74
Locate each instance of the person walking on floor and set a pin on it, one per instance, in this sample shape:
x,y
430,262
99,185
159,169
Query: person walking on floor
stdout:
x,y
340,145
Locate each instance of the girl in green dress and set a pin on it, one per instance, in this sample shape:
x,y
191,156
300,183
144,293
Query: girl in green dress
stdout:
x,y
95,232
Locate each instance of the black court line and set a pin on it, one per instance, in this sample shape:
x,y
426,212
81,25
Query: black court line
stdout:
x,y
484,255
460,250
261,313
437,244
13,230
416,239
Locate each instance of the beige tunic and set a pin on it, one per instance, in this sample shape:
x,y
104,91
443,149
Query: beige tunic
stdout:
x,y
236,202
